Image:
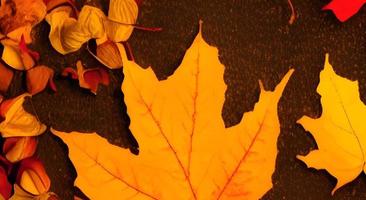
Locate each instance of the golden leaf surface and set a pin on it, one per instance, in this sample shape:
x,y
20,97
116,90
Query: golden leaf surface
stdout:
x,y
340,132
185,150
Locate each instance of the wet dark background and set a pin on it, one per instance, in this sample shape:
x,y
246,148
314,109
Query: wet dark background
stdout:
x,y
255,42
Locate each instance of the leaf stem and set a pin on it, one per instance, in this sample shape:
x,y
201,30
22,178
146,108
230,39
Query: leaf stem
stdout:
x,y
152,29
293,13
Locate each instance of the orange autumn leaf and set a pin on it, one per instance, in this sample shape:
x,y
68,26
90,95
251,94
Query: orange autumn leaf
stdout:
x,y
340,132
32,177
38,78
19,148
185,150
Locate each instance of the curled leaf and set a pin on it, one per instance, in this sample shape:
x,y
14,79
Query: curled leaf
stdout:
x,y
11,54
32,176
18,122
91,78
18,55
5,186
121,15
38,78
19,148
68,34
6,76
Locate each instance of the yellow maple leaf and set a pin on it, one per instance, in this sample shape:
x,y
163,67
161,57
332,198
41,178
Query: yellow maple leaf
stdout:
x,y
185,150
340,131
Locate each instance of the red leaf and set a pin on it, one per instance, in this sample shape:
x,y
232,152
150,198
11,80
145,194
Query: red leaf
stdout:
x,y
5,186
6,76
344,9
23,47
19,148
91,78
94,77
68,71
5,164
38,77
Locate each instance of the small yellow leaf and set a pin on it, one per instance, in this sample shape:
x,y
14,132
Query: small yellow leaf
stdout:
x,y
108,54
340,131
19,122
121,15
11,54
185,150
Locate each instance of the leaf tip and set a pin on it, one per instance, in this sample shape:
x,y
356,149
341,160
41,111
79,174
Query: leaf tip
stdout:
x,y
261,87
200,25
281,86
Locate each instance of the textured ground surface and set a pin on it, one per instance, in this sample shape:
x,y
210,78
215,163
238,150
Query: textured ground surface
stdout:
x,y
255,42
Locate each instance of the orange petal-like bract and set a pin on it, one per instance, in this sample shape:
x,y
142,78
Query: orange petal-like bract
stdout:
x,y
18,122
21,194
185,150
38,78
32,176
108,54
19,148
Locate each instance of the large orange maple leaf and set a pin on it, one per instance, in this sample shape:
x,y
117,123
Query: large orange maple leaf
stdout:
x,y
185,150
